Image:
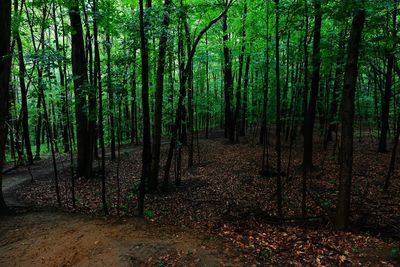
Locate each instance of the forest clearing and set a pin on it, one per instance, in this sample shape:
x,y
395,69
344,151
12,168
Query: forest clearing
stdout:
x,y
199,133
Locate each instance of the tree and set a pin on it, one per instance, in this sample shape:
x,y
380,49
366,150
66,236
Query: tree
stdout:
x,y
146,154
309,118
97,84
390,55
240,74
350,80
5,70
153,182
24,101
182,94
79,71
278,114
110,93
228,82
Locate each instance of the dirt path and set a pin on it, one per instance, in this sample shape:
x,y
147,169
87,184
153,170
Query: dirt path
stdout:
x,y
60,239
43,168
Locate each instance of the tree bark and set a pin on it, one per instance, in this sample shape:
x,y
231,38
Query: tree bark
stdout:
x,y
228,82
79,71
153,182
134,120
5,71
97,84
278,113
350,80
146,154
110,90
24,101
264,121
207,126
309,119
333,110
237,114
388,87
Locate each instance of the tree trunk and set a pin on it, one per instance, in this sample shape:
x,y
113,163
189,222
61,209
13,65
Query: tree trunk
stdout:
x,y
264,121
207,126
79,71
333,110
97,84
243,127
153,181
134,120
309,119
62,68
5,71
228,82
393,156
110,90
182,95
350,80
388,87
240,74
24,101
146,154
190,97
278,114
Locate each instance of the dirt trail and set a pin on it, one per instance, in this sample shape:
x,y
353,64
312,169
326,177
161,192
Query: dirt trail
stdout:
x,y
43,168
60,239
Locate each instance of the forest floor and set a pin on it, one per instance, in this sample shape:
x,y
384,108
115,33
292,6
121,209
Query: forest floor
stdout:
x,y
223,200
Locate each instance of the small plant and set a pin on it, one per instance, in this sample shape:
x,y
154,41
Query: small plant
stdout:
x,y
395,253
327,204
149,214
211,238
265,253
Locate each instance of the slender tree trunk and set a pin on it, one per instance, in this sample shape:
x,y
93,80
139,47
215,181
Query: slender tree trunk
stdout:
x,y
146,155
65,121
393,156
240,74
153,181
350,80
264,134
207,126
228,82
278,114
243,127
51,141
5,71
190,97
309,119
182,95
305,45
388,87
97,84
24,101
110,90
38,128
332,124
134,120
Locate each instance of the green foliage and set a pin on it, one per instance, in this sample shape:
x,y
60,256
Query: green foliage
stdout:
x,y
149,214
395,253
